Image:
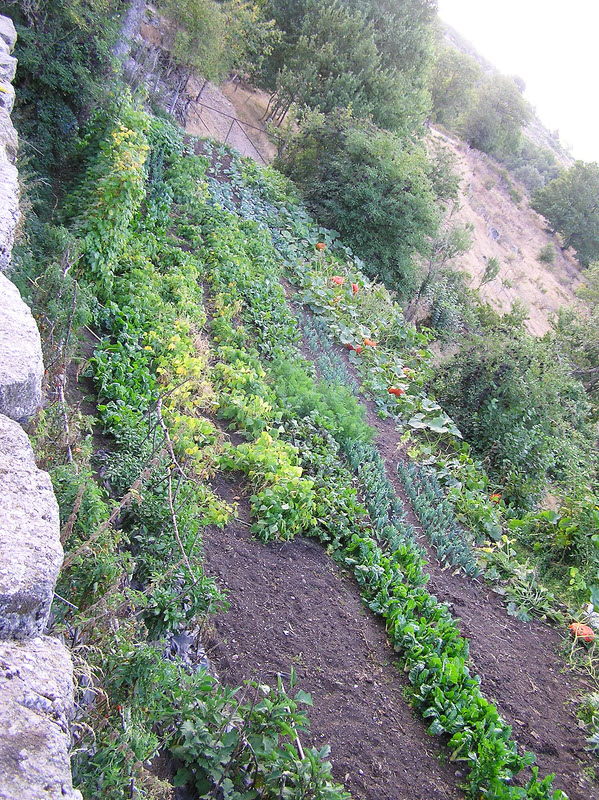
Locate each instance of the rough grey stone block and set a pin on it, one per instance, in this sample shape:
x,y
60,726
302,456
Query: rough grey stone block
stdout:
x,y
8,67
7,97
36,686
30,550
21,364
10,142
8,33
9,206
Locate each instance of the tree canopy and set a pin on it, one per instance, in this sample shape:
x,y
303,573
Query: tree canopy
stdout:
x,y
369,186
494,122
570,204
372,55
453,81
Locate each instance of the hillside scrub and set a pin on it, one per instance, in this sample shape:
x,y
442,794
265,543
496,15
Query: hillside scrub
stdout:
x,y
370,187
569,204
524,415
63,50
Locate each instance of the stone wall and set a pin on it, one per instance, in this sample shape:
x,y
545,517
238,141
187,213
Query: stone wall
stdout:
x,y
36,672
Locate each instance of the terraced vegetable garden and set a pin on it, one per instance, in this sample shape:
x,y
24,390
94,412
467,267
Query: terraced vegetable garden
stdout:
x,y
257,397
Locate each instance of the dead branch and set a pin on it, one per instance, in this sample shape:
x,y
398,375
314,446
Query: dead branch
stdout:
x,y
68,526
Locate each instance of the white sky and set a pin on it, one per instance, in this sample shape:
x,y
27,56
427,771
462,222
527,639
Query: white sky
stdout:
x,y
554,46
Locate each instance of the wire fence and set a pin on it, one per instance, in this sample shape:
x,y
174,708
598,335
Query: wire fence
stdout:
x,y
192,104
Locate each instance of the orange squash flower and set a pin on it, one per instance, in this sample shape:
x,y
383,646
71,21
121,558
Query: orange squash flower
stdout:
x,y
584,632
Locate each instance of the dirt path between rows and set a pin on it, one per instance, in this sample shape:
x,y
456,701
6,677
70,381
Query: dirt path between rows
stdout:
x,y
519,663
292,606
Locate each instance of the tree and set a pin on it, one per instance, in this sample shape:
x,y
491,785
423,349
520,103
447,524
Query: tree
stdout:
x,y
450,241
516,403
494,122
196,39
63,48
372,55
369,186
570,204
452,84
403,33
578,334
333,65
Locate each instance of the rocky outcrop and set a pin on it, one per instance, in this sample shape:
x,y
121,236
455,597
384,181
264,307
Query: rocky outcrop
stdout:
x,y
31,553
21,364
9,178
36,687
36,676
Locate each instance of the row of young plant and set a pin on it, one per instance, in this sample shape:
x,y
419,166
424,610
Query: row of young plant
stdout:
x,y
154,374
452,543
133,581
383,555
351,312
395,372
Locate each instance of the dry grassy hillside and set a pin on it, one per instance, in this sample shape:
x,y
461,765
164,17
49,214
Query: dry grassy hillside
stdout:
x,y
512,233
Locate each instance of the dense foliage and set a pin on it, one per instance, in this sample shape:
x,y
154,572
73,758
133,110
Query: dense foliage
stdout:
x,y
370,55
578,333
494,122
63,50
569,203
370,187
522,412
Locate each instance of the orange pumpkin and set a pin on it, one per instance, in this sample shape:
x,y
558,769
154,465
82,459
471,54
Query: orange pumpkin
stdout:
x,y
356,348
369,343
396,391
580,631
320,245
355,288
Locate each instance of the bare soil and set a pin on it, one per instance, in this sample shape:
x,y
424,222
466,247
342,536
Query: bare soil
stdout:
x,y
292,606
231,114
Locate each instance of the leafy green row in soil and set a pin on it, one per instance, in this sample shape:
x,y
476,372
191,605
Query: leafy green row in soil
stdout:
x,y
387,563
133,578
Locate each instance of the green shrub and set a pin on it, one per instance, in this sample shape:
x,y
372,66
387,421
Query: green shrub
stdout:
x,y
370,187
547,254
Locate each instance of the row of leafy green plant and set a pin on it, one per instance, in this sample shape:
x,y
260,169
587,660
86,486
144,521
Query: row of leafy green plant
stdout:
x,y
387,562
133,573
401,361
